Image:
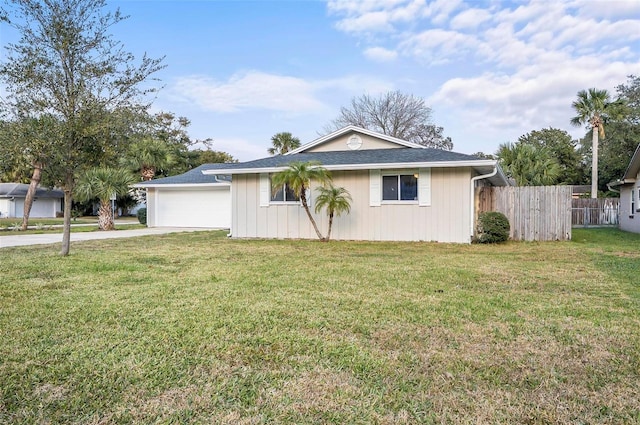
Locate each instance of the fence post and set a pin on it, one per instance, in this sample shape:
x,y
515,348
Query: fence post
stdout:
x,y
584,217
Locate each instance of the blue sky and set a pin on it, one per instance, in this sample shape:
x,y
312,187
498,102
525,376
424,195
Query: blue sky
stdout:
x,y
242,71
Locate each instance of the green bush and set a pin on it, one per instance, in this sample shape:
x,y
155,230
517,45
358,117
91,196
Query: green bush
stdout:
x,y
142,216
493,227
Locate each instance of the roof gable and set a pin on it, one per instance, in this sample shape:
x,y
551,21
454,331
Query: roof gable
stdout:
x,y
382,140
634,166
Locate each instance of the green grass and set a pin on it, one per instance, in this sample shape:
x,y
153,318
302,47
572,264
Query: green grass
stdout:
x,y
198,328
4,222
9,226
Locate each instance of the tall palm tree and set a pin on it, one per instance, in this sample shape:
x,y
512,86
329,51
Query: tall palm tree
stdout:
x,y
297,177
591,108
103,183
146,156
336,200
283,143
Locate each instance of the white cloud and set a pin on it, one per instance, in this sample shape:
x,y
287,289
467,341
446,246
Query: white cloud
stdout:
x,y
380,54
248,90
438,46
360,17
470,18
528,99
255,90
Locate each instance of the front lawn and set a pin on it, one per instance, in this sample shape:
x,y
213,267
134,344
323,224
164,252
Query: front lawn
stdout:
x,y
198,328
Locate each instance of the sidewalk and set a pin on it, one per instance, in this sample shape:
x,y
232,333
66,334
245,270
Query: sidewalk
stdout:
x,y
13,239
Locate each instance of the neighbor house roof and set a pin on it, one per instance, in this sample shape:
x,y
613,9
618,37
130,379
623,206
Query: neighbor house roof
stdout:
x,y
19,190
193,177
367,159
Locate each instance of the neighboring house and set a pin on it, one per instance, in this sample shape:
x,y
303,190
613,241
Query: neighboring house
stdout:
x,y
191,199
629,186
46,204
401,191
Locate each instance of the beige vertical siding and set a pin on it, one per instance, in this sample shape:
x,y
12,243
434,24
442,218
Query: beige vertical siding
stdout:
x,y
340,144
446,220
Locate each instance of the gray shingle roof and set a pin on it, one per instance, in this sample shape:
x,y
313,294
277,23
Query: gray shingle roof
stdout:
x,y
19,190
194,176
359,157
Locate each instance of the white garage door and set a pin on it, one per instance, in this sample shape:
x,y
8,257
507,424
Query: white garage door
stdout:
x,y
189,207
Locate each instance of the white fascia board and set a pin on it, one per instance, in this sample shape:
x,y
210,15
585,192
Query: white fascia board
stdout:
x,y
185,185
368,166
353,128
622,182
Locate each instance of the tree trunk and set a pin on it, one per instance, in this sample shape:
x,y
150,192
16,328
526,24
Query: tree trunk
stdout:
x,y
303,199
330,225
594,162
105,216
66,229
31,194
147,172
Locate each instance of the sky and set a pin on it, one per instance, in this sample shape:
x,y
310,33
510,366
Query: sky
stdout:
x,y
491,71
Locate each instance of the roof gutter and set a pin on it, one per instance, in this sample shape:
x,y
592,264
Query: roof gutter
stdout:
x,y
472,197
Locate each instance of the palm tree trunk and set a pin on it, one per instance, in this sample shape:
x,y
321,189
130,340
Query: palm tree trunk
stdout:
x,y
594,162
147,172
105,216
31,194
330,225
303,199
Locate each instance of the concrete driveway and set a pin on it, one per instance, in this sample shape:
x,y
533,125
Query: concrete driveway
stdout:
x,y
16,239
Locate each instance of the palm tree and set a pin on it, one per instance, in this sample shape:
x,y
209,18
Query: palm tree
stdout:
x,y
103,183
528,165
297,177
147,156
590,107
336,199
283,143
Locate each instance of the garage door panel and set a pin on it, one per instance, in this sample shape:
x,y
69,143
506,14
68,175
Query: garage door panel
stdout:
x,y
194,208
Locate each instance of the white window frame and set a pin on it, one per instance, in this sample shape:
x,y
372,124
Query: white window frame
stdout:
x,y
266,192
398,173
284,195
424,187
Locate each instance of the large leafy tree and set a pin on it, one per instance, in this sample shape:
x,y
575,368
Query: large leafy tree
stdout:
x,y
395,114
67,64
336,200
561,146
104,183
298,177
591,109
282,143
528,165
25,146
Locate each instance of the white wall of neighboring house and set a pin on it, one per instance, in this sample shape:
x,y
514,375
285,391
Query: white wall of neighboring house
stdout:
x,y
41,208
630,212
7,208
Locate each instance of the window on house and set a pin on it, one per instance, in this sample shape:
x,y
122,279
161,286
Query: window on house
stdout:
x,y
400,187
284,194
633,201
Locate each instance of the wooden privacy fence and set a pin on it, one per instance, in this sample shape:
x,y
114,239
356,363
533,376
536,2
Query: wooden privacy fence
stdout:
x,y
595,212
535,213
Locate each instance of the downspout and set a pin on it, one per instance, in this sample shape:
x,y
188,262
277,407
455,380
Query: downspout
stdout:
x,y
472,197
612,189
